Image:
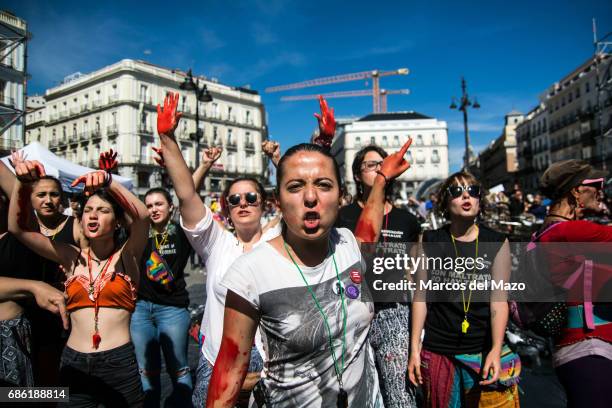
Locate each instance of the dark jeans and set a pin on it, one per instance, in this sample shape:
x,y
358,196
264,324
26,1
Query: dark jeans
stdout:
x,y
587,381
107,377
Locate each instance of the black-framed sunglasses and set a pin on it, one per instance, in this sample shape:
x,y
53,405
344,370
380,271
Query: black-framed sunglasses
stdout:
x,y
251,198
456,191
370,165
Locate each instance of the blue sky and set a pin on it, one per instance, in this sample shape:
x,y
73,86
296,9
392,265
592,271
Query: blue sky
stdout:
x,y
509,52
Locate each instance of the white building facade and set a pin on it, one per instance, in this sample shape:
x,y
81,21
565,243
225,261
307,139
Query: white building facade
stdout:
x,y
428,154
13,42
116,108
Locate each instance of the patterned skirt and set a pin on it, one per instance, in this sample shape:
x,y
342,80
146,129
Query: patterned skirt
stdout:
x,y
15,346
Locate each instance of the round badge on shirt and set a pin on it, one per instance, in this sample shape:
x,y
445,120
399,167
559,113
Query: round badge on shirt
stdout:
x,y
355,276
352,291
338,287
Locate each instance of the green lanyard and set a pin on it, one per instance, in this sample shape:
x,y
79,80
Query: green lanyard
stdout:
x,y
314,297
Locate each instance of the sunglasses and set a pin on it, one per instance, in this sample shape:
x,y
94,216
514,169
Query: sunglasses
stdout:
x,y
456,191
370,165
251,198
595,183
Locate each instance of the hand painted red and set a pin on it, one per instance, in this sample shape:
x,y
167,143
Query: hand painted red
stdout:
x,y
168,117
108,161
27,171
395,164
160,159
93,181
327,124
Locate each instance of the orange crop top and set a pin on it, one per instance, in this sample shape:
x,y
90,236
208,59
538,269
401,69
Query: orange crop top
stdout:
x,y
116,290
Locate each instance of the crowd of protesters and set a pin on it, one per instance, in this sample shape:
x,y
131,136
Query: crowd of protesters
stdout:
x,y
93,294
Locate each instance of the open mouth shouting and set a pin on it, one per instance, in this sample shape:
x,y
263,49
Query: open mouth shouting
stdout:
x,y
312,220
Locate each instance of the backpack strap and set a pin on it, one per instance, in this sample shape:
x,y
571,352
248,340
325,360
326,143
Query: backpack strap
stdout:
x,y
536,236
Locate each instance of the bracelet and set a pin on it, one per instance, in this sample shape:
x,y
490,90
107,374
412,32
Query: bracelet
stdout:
x,y
383,176
108,178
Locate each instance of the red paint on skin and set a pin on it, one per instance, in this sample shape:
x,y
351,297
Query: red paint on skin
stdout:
x,y
219,384
364,230
125,204
23,202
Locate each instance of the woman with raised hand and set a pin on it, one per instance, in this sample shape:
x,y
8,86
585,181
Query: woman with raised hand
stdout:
x,y
47,198
390,335
242,201
98,362
303,290
20,281
463,360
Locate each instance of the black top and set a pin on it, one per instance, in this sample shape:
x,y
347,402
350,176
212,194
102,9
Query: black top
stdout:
x,y
163,281
443,333
17,260
399,229
398,225
46,325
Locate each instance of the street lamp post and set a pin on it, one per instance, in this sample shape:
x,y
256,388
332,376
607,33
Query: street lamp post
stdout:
x,y
202,95
463,105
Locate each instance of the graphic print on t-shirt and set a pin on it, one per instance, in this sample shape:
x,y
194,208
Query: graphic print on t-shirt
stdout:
x,y
300,367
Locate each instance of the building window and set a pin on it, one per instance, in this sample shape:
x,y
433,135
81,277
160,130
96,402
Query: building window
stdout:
x,y
396,141
420,157
84,156
229,113
85,126
114,118
385,142
248,117
434,140
230,139
215,135
372,140
419,140
64,135
143,93
98,124
435,156
247,137
74,130
357,141
587,87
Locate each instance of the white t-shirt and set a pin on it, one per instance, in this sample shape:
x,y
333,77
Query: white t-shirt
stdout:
x,y
218,248
299,371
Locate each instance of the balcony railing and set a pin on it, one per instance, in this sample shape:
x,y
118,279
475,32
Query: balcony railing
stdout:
x,y
84,136
112,131
63,113
53,143
145,130
96,102
249,146
73,138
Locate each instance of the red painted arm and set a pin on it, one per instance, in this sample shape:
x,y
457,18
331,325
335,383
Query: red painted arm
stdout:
x,y
370,222
239,326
